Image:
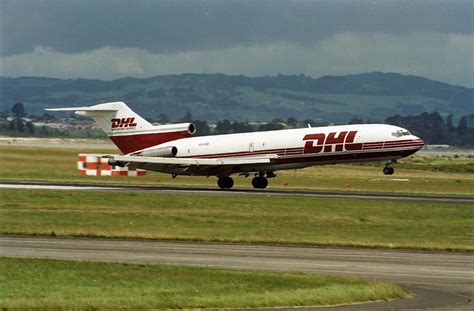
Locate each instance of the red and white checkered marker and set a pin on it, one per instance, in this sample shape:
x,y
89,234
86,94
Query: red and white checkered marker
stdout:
x,y
95,165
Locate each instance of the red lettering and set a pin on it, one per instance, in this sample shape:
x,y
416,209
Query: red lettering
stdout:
x,y
332,139
309,147
351,136
115,123
123,122
349,143
315,143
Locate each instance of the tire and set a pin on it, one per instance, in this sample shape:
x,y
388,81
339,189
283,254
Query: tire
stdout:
x,y
256,182
225,182
259,182
229,182
221,183
386,170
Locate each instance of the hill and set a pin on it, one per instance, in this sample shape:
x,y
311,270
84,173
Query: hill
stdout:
x,y
216,96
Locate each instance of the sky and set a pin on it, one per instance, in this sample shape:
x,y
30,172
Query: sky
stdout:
x,y
110,39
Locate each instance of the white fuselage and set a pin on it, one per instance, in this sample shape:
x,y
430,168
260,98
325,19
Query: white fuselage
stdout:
x,y
297,148
151,147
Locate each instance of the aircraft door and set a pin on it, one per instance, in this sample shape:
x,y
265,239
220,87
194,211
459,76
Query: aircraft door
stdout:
x,y
251,146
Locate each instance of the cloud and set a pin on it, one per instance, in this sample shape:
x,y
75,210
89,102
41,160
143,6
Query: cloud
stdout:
x,y
188,25
444,57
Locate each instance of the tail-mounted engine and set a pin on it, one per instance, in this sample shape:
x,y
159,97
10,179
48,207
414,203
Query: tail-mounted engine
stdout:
x,y
166,152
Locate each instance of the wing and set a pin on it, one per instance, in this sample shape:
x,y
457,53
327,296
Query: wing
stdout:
x,y
194,166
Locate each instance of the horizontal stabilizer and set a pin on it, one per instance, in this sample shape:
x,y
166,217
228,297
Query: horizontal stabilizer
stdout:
x,y
82,109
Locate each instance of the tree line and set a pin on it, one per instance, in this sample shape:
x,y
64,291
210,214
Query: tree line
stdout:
x,y
431,127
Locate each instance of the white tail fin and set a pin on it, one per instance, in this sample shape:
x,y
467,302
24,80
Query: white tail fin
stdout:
x,y
128,130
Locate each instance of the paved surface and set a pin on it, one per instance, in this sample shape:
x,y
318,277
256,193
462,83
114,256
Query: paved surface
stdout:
x,y
439,280
238,191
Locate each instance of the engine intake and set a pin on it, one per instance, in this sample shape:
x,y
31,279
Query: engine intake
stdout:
x,y
191,128
167,152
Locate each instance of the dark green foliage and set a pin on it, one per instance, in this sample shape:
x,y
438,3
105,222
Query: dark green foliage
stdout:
x,y
271,126
227,127
18,110
17,125
30,128
291,121
202,128
224,127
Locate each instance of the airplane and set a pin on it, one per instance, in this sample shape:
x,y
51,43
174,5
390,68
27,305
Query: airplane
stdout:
x,y
171,149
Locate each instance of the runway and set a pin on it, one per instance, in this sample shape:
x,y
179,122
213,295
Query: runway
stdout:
x,y
438,279
236,191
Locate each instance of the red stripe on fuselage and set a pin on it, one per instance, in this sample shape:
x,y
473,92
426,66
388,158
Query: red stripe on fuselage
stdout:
x,y
248,153
132,143
299,150
334,158
392,144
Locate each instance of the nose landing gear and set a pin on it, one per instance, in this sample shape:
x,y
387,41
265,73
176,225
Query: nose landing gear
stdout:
x,y
388,170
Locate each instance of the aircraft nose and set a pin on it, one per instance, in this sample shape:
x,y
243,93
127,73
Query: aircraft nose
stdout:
x,y
419,141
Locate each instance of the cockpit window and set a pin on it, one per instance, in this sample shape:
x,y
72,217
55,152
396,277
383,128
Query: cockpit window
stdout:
x,y
401,133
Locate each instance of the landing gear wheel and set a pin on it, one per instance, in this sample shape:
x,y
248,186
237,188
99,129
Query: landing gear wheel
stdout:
x,y
255,182
259,182
225,182
388,170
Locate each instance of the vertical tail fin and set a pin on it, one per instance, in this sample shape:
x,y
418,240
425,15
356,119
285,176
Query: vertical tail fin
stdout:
x,y
129,131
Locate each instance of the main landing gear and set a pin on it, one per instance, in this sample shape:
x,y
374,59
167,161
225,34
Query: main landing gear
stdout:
x,y
260,181
388,170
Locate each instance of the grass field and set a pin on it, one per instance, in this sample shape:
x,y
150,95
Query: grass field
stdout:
x,y
244,219
437,175
55,284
